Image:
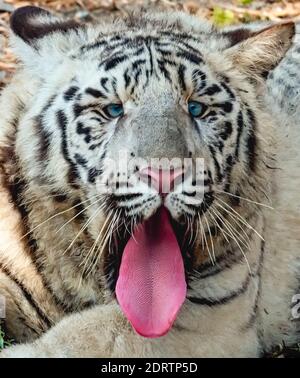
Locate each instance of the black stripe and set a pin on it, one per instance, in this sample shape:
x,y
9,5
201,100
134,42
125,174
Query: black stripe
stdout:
x,y
58,197
27,295
98,113
97,119
212,90
103,83
192,58
136,64
163,70
25,322
38,262
45,137
84,130
127,197
93,173
240,123
216,163
114,62
225,106
164,52
220,301
168,61
70,93
78,109
228,90
95,145
138,73
220,145
138,51
62,122
187,46
223,262
226,130
80,160
94,45
251,144
150,57
95,93
253,315
189,194
43,132
179,37
79,210
251,141
127,78
228,168
181,71
138,205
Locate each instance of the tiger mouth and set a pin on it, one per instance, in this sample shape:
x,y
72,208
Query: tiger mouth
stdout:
x,y
147,264
121,236
185,236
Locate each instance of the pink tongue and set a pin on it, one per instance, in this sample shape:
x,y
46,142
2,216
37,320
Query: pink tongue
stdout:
x,y
151,286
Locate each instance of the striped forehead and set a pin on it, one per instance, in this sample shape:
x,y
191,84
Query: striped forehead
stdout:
x,y
133,61
129,42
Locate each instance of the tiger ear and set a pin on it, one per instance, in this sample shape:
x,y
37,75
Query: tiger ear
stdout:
x,y
38,36
32,23
258,52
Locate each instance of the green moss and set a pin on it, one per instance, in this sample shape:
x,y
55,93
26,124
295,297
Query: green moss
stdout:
x,y
223,17
3,340
245,2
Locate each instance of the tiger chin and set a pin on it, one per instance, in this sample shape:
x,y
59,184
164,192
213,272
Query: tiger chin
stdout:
x,y
98,261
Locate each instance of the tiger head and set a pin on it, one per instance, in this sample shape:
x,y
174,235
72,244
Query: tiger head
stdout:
x,y
158,124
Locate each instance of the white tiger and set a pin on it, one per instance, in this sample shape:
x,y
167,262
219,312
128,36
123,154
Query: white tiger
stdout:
x,y
205,269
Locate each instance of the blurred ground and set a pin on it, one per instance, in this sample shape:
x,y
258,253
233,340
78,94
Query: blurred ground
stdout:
x,y
218,11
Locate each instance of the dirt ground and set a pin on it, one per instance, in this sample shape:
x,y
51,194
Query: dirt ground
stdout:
x,y
219,12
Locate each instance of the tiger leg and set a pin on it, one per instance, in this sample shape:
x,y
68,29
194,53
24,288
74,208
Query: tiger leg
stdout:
x,y
30,309
92,333
103,331
22,321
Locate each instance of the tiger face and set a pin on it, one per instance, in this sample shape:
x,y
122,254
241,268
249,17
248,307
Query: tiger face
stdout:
x,y
154,113
119,114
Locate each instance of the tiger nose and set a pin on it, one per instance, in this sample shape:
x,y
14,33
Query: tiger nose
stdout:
x,y
162,180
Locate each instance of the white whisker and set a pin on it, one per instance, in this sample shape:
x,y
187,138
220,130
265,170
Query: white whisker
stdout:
x,y
84,227
205,239
235,239
211,238
238,216
245,199
218,226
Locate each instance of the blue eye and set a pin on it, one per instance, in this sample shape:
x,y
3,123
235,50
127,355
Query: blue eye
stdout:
x,y
114,110
196,109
